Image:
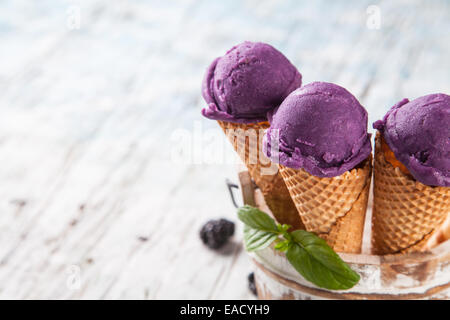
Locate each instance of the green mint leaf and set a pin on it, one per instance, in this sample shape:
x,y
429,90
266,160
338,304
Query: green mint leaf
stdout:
x,y
324,253
309,255
283,227
282,246
257,239
256,219
318,263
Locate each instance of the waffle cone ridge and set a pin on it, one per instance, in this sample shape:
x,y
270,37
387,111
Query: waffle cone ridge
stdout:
x,y
406,213
334,208
272,186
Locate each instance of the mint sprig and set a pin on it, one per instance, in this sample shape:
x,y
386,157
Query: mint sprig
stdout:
x,y
310,255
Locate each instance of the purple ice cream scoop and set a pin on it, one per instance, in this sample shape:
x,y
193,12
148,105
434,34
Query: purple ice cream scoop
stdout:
x,y
322,128
418,132
247,82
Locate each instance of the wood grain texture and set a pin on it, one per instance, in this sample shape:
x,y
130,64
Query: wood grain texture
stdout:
x,y
91,203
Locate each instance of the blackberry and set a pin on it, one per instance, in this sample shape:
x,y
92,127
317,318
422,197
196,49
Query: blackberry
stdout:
x,y
251,283
215,233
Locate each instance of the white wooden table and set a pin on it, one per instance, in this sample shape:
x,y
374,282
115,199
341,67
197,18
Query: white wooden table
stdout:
x,y
92,203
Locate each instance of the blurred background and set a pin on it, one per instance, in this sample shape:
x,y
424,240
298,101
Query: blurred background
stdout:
x,y
108,170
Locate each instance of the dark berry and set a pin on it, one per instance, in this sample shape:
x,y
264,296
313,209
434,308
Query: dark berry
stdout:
x,y
215,233
251,283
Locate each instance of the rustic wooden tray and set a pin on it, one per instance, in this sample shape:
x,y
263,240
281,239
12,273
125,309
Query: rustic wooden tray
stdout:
x,y
409,276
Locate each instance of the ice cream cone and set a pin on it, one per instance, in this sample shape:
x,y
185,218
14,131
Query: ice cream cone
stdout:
x,y
442,235
246,140
333,208
406,213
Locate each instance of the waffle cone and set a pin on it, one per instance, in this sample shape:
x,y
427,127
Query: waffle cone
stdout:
x,y
407,215
333,208
247,141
